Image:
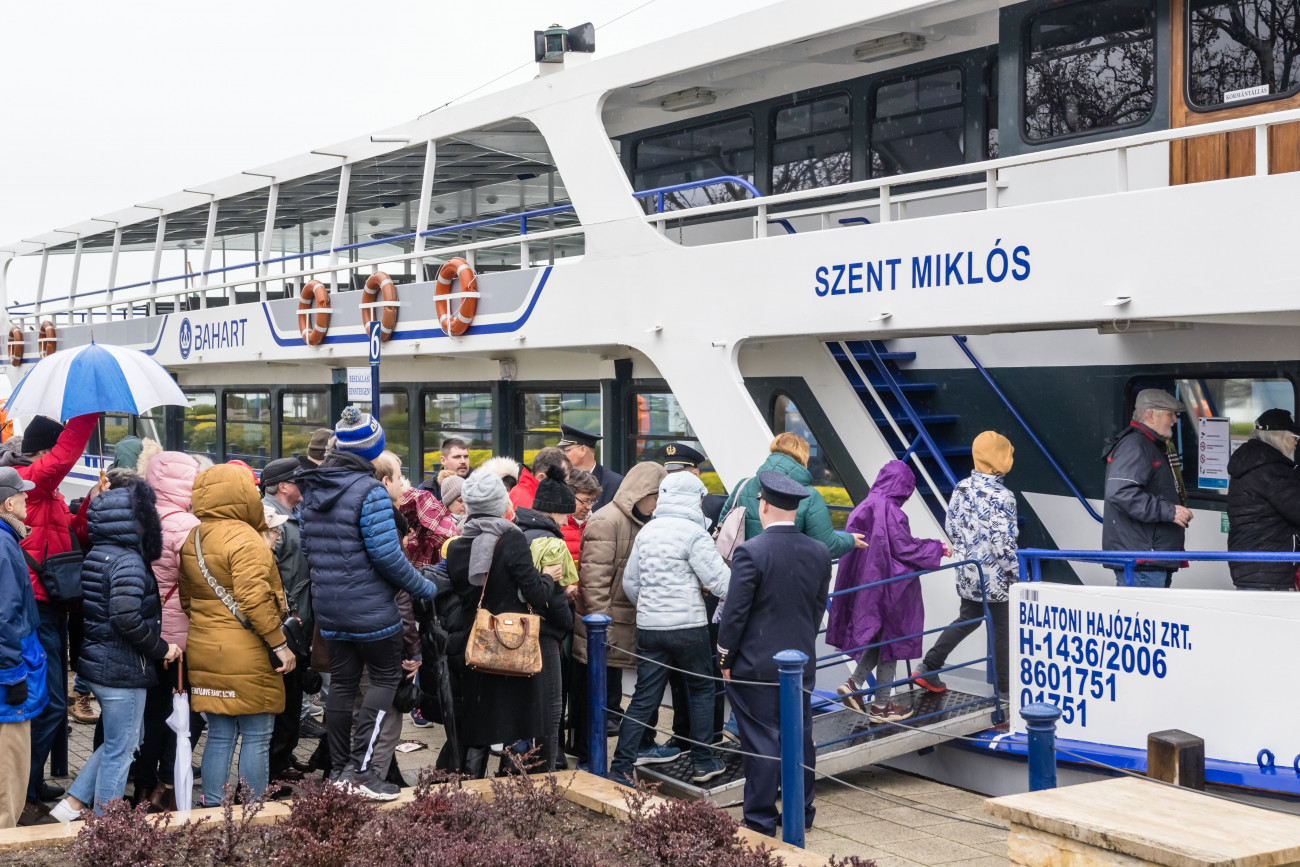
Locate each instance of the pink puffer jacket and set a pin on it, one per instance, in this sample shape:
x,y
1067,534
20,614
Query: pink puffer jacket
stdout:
x,y
171,475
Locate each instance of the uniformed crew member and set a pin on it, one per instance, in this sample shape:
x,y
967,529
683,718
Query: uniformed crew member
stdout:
x,y
579,447
681,458
779,582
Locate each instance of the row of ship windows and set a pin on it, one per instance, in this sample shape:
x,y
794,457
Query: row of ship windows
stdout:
x,y
1084,67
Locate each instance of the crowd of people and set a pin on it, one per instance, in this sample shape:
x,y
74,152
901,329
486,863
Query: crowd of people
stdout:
x,y
330,585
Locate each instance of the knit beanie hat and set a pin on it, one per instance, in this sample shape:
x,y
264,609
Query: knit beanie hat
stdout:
x,y
553,494
451,489
359,433
41,433
485,494
993,453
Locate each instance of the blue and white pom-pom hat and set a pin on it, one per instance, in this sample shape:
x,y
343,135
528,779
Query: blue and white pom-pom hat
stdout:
x,y
358,432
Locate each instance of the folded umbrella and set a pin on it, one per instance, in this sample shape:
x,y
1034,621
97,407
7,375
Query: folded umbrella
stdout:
x,y
179,722
94,378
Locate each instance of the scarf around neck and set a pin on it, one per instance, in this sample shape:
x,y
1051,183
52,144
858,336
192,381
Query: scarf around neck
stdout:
x,y
484,530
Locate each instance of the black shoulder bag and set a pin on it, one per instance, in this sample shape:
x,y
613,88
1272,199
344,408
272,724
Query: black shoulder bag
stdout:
x,y
60,574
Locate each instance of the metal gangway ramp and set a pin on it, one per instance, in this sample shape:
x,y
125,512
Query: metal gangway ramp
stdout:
x,y
844,740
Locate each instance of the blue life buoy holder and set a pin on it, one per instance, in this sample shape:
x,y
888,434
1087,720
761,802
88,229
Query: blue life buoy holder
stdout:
x,y
1265,760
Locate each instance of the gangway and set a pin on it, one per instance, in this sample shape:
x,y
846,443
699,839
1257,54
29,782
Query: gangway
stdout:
x,y
846,740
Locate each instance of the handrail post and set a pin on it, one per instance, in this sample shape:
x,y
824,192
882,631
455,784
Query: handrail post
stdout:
x,y
1040,722
761,227
597,739
1261,149
790,665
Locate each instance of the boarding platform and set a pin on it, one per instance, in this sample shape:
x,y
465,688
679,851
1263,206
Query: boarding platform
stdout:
x,y
845,740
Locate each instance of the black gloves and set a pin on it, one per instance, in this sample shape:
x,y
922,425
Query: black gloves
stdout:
x,y
16,693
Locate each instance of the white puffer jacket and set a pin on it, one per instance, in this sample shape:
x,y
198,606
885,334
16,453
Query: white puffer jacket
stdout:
x,y
672,558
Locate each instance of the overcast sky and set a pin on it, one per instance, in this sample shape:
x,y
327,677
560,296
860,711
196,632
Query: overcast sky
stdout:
x,y
111,104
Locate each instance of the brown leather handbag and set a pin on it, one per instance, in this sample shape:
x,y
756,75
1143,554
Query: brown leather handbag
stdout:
x,y
505,644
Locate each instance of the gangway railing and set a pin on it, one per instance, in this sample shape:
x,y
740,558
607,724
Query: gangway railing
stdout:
x,y
961,342
1031,559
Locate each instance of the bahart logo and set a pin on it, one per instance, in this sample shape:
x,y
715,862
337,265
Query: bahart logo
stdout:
x,y
186,338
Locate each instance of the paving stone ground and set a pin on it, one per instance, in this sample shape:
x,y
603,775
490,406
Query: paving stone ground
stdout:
x,y
899,820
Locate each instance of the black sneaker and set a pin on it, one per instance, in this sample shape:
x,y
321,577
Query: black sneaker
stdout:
x,y
310,729
928,680
702,773
368,786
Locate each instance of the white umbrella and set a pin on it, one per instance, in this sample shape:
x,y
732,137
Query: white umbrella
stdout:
x,y
179,721
94,378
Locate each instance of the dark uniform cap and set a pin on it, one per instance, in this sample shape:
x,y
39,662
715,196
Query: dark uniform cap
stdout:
x,y
781,491
680,454
572,436
1277,419
279,470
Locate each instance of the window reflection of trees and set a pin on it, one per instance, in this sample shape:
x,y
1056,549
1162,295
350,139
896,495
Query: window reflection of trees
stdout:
x,y
918,123
1234,46
812,145
1090,66
683,156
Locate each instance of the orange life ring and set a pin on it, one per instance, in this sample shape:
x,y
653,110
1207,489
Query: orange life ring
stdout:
x,y
46,342
456,324
15,345
314,298
380,286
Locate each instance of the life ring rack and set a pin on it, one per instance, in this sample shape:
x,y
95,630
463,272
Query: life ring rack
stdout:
x,y
380,293
314,312
456,324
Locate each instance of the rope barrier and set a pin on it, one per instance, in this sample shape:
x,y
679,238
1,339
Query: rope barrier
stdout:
x,y
711,677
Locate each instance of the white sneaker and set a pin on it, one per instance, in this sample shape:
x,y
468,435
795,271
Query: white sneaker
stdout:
x,y
65,812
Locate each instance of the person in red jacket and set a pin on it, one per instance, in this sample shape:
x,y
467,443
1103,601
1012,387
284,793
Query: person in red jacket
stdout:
x,y
49,452
586,492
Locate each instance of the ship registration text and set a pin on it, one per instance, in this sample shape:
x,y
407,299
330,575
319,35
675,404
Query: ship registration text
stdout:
x,y
1070,656
962,268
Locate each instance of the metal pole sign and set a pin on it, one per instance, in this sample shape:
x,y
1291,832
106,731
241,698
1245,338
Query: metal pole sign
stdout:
x,y
372,330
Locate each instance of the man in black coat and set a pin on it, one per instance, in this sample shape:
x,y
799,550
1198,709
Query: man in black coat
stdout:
x,y
1264,502
579,446
779,582
1146,501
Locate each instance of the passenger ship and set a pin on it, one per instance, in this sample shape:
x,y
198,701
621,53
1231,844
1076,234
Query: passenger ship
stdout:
x,y
886,226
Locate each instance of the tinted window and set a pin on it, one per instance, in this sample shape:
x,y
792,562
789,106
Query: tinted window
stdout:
x,y
1089,66
991,110
467,416
659,421
918,123
199,428
248,427
301,413
543,413
788,419
812,145
395,416
1241,51
681,156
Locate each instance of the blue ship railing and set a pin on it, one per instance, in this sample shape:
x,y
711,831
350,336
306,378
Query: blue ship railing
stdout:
x,y
908,410
1031,559
961,341
522,218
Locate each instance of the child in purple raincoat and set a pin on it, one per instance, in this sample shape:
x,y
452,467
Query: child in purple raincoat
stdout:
x,y
888,612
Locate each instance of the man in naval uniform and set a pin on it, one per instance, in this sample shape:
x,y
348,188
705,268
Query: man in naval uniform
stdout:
x,y
779,582
579,447
681,458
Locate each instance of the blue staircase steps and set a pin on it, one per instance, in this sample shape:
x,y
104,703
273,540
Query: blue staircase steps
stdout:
x,y
879,369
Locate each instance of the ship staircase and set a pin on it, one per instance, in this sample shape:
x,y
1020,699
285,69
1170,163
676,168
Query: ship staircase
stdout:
x,y
902,408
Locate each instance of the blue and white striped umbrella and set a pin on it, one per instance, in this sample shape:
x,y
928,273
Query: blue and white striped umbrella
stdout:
x,y
94,378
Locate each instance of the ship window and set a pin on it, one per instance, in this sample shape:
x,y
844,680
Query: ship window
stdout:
x,y
1241,51
918,123
248,427
660,420
466,416
786,418
1089,67
1240,400
395,417
991,149
686,155
812,145
199,425
301,413
542,413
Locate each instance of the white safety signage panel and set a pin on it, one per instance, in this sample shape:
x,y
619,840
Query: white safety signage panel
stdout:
x,y
1213,452
1122,662
359,385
